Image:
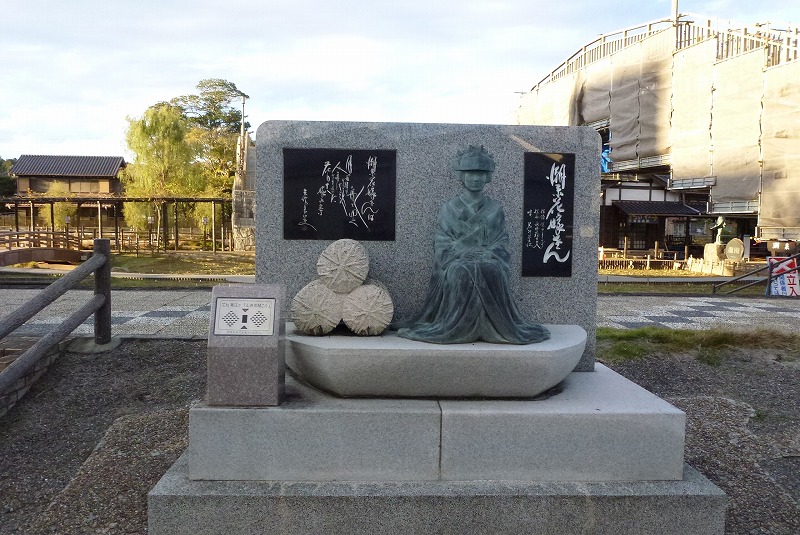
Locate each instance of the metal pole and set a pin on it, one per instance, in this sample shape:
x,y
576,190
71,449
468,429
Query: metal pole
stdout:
x,y
149,234
768,290
687,238
102,286
213,226
165,220
117,239
175,214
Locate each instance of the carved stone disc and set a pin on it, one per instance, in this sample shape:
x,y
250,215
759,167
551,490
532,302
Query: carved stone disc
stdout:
x,y
316,309
368,310
343,265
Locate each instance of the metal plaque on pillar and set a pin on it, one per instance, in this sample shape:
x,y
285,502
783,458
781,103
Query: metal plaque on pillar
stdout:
x,y
246,345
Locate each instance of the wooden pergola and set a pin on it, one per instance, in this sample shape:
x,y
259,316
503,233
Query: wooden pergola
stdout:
x,y
31,202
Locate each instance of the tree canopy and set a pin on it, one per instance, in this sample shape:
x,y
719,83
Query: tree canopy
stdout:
x,y
60,209
214,127
212,124
163,164
212,107
7,184
186,146
164,155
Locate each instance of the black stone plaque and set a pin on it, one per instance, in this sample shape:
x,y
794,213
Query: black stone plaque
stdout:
x,y
549,198
330,194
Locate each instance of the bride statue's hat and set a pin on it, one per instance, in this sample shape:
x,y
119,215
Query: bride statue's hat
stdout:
x,y
475,158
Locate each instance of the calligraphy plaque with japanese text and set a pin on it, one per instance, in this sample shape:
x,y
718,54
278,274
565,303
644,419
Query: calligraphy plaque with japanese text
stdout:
x,y
548,200
330,194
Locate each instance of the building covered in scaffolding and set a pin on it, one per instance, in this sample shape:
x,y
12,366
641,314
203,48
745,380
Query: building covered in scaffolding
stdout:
x,y
696,120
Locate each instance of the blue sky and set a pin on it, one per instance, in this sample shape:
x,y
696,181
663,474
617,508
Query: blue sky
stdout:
x,y
75,70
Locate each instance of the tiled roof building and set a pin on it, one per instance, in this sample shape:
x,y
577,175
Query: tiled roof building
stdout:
x,y
84,175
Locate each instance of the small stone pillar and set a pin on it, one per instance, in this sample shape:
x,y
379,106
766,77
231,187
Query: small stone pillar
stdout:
x,y
246,345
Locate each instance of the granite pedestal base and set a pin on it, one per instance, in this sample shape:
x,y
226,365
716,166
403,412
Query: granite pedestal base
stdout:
x,y
602,455
178,505
600,427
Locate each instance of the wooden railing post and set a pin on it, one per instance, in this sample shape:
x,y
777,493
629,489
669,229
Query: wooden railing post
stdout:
x,y
102,286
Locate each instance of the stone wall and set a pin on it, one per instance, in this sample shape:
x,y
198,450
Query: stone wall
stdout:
x,y
10,397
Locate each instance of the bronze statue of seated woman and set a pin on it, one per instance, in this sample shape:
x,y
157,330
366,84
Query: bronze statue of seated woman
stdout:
x,y
469,296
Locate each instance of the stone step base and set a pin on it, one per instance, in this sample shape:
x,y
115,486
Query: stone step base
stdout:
x,y
600,427
178,505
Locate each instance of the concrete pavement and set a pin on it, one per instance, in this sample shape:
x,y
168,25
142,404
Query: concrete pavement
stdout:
x,y
185,313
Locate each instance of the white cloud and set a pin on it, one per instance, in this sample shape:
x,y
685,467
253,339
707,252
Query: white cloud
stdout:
x,y
76,70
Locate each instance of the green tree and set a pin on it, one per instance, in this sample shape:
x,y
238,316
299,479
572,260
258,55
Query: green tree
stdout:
x,y
212,108
185,147
7,184
60,209
163,164
215,125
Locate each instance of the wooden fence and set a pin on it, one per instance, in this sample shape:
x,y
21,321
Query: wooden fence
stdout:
x,y
15,379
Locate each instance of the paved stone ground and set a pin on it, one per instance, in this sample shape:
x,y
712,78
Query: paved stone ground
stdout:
x,y
185,313
135,313
728,431
780,313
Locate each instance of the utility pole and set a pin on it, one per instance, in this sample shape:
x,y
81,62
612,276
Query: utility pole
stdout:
x,y
244,97
238,181
240,163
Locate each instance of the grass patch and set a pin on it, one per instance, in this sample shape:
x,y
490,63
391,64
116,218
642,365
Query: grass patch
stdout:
x,y
708,346
690,283
712,357
120,283
181,263
117,283
173,263
623,350
670,288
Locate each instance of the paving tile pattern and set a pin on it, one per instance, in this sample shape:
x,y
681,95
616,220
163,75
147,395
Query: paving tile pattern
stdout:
x,y
779,313
185,313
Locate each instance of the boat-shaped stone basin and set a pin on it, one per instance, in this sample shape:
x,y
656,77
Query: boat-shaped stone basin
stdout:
x,y
390,366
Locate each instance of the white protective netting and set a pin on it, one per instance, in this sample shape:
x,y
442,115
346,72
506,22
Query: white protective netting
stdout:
x,y
780,196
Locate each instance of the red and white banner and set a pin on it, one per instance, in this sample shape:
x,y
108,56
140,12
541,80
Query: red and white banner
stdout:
x,y
788,283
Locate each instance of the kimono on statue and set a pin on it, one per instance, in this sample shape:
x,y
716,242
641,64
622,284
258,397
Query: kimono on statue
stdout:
x,y
469,297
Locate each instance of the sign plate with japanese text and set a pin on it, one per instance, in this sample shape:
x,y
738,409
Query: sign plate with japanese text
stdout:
x,y
786,281
244,317
549,197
